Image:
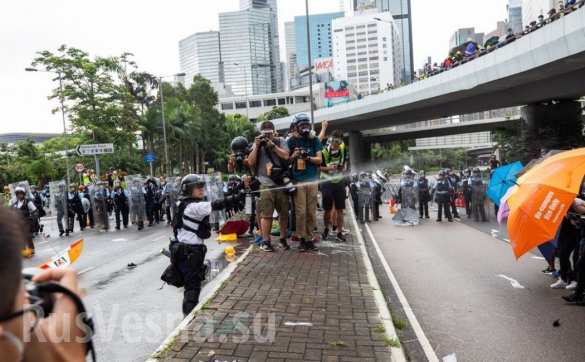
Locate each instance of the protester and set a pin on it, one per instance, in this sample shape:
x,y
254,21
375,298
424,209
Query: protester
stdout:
x,y
268,160
306,157
578,297
333,189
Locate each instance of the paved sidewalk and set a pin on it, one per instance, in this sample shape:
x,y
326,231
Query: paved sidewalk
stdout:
x,y
289,306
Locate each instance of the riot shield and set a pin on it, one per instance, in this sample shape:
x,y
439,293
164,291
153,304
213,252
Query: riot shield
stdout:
x,y
408,213
58,190
171,195
135,185
99,202
214,190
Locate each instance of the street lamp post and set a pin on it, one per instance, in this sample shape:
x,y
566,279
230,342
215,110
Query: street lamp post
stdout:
x,y
246,88
62,103
164,123
310,64
65,138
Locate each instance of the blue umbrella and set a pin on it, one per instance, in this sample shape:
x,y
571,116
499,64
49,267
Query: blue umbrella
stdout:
x,y
501,180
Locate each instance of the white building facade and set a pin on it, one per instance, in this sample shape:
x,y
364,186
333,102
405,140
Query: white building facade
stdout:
x,y
367,51
200,53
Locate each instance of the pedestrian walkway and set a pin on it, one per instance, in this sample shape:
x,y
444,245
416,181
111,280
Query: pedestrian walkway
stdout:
x,y
290,306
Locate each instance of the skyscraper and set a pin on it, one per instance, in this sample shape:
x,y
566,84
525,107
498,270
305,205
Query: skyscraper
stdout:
x,y
515,16
250,49
367,52
401,12
200,53
320,30
290,41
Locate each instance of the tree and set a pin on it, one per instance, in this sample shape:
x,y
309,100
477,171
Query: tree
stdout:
x,y
275,113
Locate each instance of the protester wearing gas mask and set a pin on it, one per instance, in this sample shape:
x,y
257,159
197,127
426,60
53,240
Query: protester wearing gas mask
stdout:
x,y
269,161
306,157
25,333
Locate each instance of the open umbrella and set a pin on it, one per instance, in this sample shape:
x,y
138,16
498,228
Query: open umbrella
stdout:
x,y
504,209
544,195
491,42
501,180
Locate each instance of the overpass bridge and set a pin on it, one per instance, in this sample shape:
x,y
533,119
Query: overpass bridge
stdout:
x,y
547,64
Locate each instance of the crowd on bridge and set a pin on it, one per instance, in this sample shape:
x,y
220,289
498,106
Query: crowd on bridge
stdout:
x,y
471,50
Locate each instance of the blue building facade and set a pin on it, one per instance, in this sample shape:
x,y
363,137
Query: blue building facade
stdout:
x,y
320,28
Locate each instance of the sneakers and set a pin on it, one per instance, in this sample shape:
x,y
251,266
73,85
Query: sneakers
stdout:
x,y
310,246
307,246
548,270
571,285
326,233
284,244
559,284
341,238
267,246
574,298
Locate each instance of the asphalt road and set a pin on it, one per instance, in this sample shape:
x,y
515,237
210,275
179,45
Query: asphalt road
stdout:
x,y
459,281
133,315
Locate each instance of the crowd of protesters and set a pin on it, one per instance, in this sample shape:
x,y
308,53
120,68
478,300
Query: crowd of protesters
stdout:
x,y
471,50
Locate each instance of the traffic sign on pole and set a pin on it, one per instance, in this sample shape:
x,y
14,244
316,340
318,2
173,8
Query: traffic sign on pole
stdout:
x,y
95,149
150,157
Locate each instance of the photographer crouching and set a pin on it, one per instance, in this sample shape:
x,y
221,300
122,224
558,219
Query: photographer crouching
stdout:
x,y
43,319
306,155
269,162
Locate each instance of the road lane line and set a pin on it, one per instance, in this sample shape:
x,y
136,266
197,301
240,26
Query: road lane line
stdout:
x,y
420,334
86,270
385,316
515,284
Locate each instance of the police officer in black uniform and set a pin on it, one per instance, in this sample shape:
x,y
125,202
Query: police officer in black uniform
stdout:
x,y
121,207
443,192
424,196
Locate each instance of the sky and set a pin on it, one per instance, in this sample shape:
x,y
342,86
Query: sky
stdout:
x,y
151,29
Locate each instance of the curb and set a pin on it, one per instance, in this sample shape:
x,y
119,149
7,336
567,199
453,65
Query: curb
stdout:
x,y
156,356
397,353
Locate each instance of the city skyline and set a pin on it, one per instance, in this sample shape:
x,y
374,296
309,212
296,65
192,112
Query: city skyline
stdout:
x,y
23,96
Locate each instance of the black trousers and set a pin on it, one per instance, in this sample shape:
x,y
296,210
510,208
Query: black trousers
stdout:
x,y
123,212
453,207
423,208
150,213
191,264
444,205
580,268
467,199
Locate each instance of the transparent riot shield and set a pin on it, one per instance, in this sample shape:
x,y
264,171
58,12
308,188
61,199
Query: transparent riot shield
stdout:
x,y
408,213
135,184
171,195
214,187
99,201
58,191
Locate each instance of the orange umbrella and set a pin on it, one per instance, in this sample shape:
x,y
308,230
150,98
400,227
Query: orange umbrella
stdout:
x,y
544,195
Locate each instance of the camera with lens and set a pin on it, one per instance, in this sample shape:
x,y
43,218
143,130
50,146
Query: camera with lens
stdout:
x,y
304,154
241,148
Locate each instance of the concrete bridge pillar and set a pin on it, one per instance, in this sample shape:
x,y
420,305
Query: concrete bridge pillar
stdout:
x,y
359,151
551,126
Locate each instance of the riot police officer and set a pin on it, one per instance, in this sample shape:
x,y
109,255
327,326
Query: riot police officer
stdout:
x,y
443,192
121,207
29,213
454,181
477,196
467,191
424,196
191,227
150,189
74,207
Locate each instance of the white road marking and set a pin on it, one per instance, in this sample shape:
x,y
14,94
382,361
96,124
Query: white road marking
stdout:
x,y
515,284
384,313
450,358
294,324
120,239
420,334
43,242
538,258
508,241
86,270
